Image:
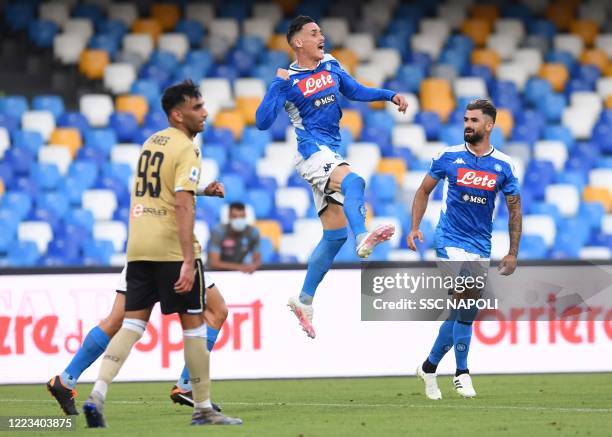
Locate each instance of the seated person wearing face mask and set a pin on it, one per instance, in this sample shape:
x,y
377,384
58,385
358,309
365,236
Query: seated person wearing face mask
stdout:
x,y
235,246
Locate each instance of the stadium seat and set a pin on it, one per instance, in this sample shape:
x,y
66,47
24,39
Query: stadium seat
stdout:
x,y
37,232
247,106
118,77
23,254
529,58
97,108
601,177
56,12
336,28
503,44
293,197
556,74
393,166
598,194
102,203
595,253
470,87
587,30
361,44
5,141
13,106
297,246
58,155
140,44
42,122
175,43
134,104
49,102
477,29
113,231
351,119
67,137
542,226
427,43
92,63
364,159
569,43
604,42
565,196
201,12
98,253
166,14
67,47
412,137
232,120
126,154
47,176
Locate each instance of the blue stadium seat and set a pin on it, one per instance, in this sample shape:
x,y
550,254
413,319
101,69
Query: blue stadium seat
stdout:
x,y
23,254
121,190
80,217
143,134
431,123
378,135
211,206
91,11
536,89
560,133
267,252
26,185
452,133
577,229
20,160
17,15
125,126
120,171
7,239
115,28
237,193
29,140
188,71
542,27
74,119
42,33
46,215
193,30
245,170
49,102
13,106
253,137
537,176
286,217
147,88
246,153
262,202
383,187
275,58
229,72
164,60
157,73
222,136
215,152
122,214
156,120
600,239
267,183
533,247
85,173
54,201
591,213
587,73
252,45
106,41
552,106
98,252
576,178
47,175
544,208
6,173
602,136
10,122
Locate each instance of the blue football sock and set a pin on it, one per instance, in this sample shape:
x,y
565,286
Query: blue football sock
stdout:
x,y
462,334
211,337
321,261
184,382
353,187
443,343
93,346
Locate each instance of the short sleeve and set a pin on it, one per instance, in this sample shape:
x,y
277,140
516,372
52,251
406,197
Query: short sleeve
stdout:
x,y
187,173
214,244
437,170
255,240
511,183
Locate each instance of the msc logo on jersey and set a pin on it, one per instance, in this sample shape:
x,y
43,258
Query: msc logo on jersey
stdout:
x,y
315,83
479,200
482,180
325,100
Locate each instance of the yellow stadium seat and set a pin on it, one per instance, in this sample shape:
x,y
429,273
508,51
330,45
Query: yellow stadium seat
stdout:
x,y
437,96
288,6
369,214
147,25
486,57
231,119
66,136
598,194
561,14
556,74
585,29
477,29
166,14
133,103
2,189
596,57
505,121
488,12
393,166
347,58
607,71
351,119
608,102
270,229
248,107
92,63
374,105
279,42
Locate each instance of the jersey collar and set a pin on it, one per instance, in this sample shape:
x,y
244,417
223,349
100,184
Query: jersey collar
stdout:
x,y
467,148
294,67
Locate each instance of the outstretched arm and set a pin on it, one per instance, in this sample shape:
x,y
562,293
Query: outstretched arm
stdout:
x,y
515,226
273,101
355,91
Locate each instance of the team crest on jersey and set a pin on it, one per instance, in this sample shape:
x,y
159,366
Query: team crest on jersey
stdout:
x,y
497,167
315,83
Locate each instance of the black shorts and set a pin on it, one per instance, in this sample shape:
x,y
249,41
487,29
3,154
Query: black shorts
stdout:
x,y
149,282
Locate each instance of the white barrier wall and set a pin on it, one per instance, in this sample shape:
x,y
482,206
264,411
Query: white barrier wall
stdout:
x,y
43,318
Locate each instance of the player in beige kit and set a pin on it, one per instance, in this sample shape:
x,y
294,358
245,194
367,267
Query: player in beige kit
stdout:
x,y
163,254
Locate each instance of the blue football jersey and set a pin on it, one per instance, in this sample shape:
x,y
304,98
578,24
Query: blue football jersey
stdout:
x,y
471,184
311,99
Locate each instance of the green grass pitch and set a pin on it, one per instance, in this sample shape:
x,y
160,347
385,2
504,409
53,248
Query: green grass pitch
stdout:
x,y
514,405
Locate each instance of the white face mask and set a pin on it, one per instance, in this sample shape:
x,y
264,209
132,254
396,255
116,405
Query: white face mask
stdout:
x,y
238,224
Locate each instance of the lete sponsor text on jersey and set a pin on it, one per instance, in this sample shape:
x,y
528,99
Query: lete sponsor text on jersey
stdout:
x,y
476,179
315,83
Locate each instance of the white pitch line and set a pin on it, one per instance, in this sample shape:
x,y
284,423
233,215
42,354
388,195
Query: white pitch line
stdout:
x,y
357,405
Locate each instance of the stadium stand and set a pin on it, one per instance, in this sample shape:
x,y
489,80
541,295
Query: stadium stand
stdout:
x,y
96,69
